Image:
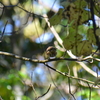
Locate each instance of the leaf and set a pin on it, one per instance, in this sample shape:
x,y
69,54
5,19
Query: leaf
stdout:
x,y
80,3
71,40
91,37
82,48
98,32
56,19
97,8
84,17
76,14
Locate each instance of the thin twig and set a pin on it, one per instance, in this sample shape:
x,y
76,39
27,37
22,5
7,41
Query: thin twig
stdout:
x,y
33,86
90,91
44,93
29,12
55,84
10,5
3,32
2,12
70,89
65,74
92,5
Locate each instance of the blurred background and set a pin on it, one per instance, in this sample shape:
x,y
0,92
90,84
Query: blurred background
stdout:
x,y
27,34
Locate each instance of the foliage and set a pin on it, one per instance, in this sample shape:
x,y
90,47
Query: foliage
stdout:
x,y
22,23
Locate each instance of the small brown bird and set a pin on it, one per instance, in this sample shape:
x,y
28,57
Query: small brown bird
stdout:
x,y
51,51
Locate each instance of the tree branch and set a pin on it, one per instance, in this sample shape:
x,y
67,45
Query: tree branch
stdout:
x,y
60,41
35,60
69,76
44,62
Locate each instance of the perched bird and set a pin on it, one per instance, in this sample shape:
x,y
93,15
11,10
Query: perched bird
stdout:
x,y
51,51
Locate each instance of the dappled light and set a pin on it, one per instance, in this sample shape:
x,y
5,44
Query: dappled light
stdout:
x,y
49,49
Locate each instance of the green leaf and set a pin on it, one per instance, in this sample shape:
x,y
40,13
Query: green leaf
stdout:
x,y
25,98
70,41
91,37
98,32
82,48
80,3
56,19
76,14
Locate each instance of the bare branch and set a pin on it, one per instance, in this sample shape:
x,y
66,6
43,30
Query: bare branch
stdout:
x,y
10,5
90,91
29,12
44,62
56,85
94,24
53,31
2,11
88,69
65,74
3,32
44,93
70,89
33,87
34,60
47,60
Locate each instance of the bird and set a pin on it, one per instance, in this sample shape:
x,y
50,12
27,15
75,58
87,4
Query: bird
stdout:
x,y
51,51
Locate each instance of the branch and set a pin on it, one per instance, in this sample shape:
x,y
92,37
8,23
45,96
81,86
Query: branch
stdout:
x,y
35,60
60,41
84,84
69,76
30,12
16,5
44,62
53,31
47,60
3,32
44,93
10,5
94,24
84,65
